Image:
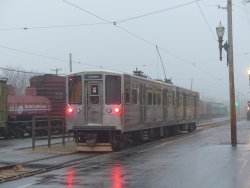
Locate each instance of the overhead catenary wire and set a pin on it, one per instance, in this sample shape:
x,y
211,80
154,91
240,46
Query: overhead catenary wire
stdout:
x,y
101,23
32,53
88,12
40,55
125,30
206,21
157,12
52,26
115,24
137,36
21,71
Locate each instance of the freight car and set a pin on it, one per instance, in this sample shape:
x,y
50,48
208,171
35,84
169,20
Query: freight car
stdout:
x,y
217,109
209,110
53,87
17,111
45,97
107,110
21,109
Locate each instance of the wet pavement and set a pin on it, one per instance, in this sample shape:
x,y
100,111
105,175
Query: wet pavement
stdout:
x,y
12,151
202,159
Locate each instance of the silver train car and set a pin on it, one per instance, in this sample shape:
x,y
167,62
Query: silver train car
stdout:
x,y
109,110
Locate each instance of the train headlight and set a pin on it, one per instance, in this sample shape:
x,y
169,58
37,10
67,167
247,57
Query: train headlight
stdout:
x,y
114,110
109,110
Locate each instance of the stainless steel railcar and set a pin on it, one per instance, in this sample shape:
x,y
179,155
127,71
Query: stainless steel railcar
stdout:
x,y
108,109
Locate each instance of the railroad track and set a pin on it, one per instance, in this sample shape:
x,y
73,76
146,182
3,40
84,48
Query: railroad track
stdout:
x,y
20,170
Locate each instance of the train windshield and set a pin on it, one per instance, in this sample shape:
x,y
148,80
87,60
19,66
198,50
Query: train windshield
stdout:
x,y
112,90
75,90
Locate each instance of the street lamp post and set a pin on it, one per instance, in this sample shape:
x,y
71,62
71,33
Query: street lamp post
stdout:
x,y
229,49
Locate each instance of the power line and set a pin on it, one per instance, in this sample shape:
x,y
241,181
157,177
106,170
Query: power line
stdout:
x,y
28,72
40,55
125,30
102,23
86,11
32,53
157,12
204,17
210,5
52,26
137,36
129,32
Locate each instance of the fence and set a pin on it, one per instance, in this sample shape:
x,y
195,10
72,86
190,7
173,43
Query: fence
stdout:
x,y
47,124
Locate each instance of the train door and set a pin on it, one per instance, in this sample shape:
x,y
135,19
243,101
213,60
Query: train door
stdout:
x,y
94,102
142,100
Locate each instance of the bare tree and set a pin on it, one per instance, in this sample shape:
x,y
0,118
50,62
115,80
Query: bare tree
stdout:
x,y
17,77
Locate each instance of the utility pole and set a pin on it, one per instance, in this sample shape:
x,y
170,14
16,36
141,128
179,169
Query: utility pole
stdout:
x,y
70,62
231,74
56,70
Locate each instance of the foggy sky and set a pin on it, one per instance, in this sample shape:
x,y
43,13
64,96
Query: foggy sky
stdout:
x,y
185,35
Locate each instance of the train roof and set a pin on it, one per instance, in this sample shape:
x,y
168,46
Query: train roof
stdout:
x,y
110,71
101,70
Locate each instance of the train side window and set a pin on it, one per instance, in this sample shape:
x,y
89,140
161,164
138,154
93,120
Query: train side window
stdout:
x,y
149,98
127,92
190,101
164,97
158,99
75,90
134,96
154,99
112,89
180,101
170,101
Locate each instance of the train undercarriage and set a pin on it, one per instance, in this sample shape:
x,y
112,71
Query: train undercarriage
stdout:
x,y
112,140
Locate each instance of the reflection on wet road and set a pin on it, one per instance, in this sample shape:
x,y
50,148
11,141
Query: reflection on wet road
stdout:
x,y
201,159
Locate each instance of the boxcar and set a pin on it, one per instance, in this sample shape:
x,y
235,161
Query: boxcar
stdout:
x,y
52,87
108,109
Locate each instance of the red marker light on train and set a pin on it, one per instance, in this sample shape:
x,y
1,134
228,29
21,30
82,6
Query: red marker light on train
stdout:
x,y
117,110
71,79
70,110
